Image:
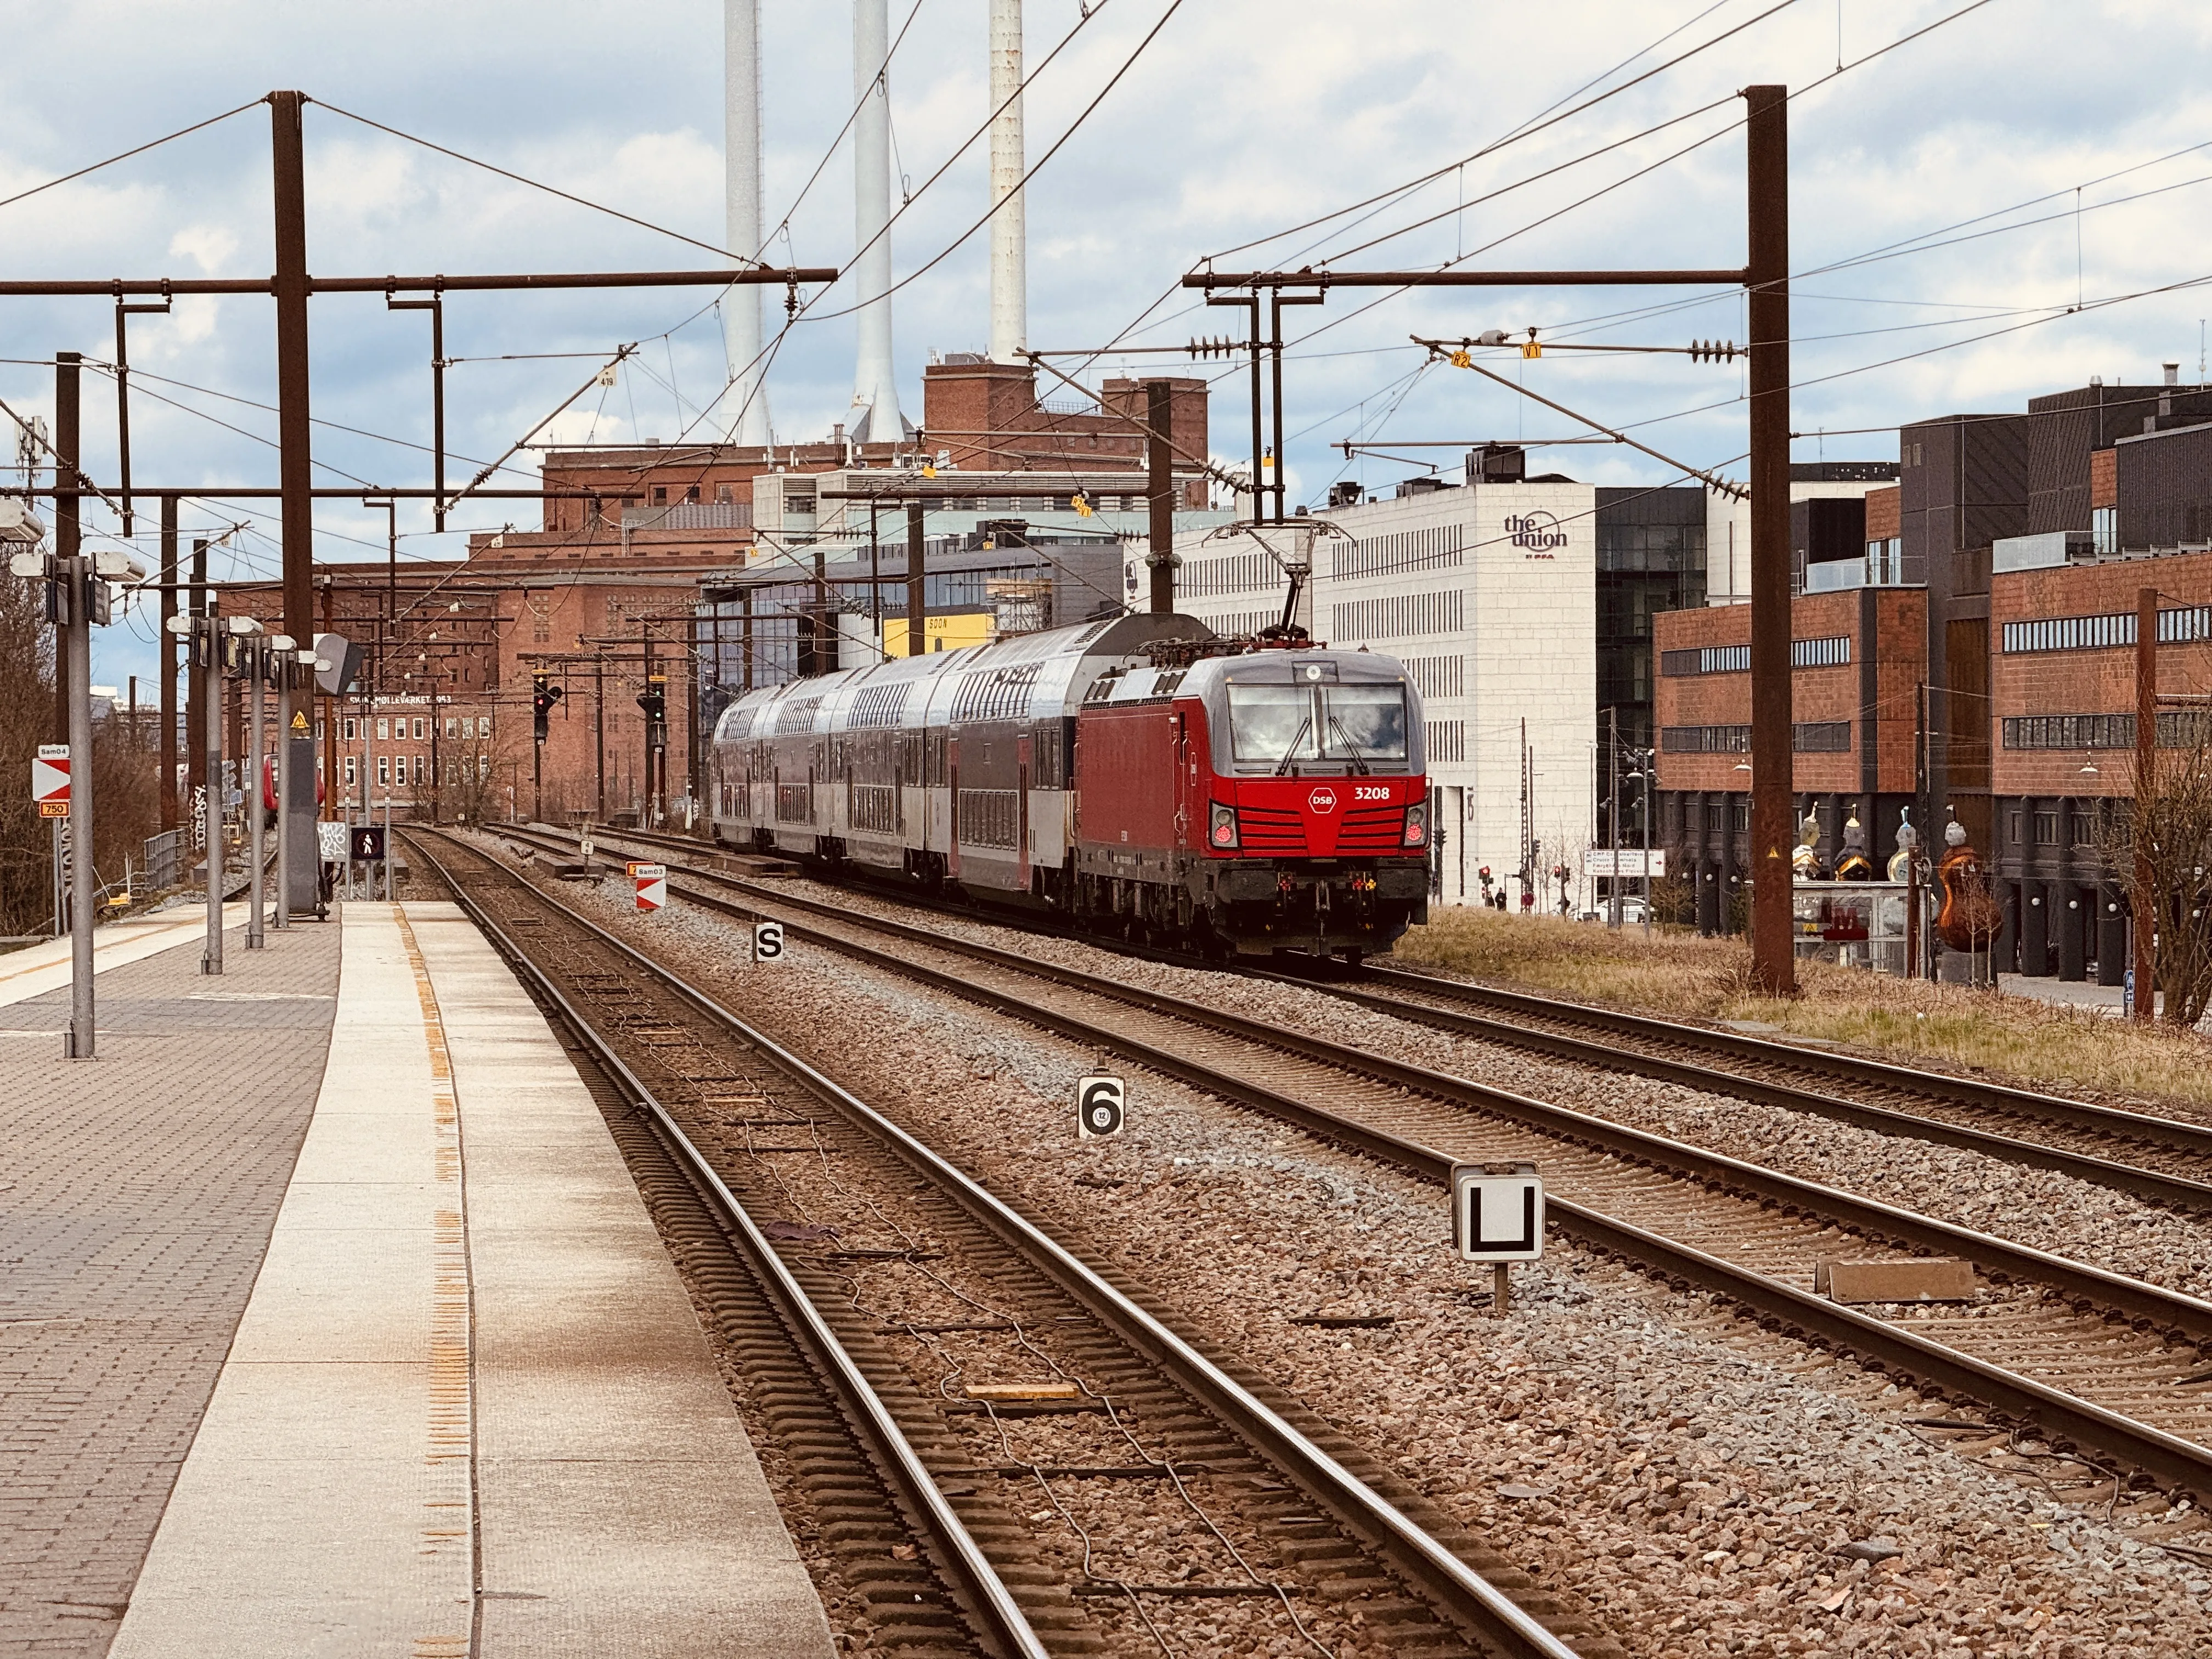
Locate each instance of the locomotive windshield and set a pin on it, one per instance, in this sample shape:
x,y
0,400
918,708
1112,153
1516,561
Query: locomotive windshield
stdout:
x,y
1286,725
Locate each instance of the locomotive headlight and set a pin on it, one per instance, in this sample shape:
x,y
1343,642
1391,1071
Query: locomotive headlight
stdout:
x,y
1221,828
1417,824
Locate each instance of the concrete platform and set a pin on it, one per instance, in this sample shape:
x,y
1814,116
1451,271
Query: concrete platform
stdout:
x,y
469,1409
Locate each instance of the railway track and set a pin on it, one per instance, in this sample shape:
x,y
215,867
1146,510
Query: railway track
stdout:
x,y
2161,1160
987,1430
2092,1360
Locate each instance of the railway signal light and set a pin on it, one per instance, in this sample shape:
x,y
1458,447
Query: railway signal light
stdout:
x,y
654,701
543,696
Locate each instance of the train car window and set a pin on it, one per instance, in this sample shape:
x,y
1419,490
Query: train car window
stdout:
x,y
1281,724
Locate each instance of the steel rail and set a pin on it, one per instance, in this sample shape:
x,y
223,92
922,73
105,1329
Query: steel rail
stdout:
x,y
970,1569
1877,1343
1462,1591
2133,1179
1967,1091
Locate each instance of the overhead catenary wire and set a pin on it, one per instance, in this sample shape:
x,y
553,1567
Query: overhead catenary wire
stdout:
x,y
535,184
138,149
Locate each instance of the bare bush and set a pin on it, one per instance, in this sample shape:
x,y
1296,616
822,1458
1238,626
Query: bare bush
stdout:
x,y
2160,847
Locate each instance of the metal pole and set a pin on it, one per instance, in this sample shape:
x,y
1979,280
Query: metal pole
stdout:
x,y
917,599
600,732
77,572
1613,813
165,753
294,433
296,759
255,679
1650,759
295,475
391,894
648,807
1774,969
1159,455
1275,399
205,641
2147,902
67,538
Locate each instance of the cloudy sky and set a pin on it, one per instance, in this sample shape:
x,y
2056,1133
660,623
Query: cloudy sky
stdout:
x,y
2021,159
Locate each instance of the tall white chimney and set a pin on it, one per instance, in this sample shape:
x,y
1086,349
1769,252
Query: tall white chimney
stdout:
x,y
1010,296
745,404
875,418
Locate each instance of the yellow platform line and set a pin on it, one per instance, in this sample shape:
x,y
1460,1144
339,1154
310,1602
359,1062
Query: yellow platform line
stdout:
x,y
452,1522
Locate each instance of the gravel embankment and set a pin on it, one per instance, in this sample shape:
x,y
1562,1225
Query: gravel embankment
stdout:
x,y
2038,1207
1694,1480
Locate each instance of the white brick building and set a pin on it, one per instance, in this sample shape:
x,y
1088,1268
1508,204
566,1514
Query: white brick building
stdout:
x,y
1487,594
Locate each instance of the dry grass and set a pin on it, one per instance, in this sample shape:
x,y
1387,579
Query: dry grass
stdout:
x,y
1677,974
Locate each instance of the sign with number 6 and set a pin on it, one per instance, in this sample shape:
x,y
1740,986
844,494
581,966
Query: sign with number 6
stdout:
x,y
1100,1104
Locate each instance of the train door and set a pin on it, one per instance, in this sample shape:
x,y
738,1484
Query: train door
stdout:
x,y
1021,811
1189,810
952,797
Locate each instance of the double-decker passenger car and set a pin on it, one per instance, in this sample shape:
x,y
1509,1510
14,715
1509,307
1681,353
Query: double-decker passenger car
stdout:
x,y
1137,774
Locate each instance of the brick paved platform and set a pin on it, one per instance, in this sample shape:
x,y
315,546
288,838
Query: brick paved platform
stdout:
x,y
38,968
469,1409
137,1192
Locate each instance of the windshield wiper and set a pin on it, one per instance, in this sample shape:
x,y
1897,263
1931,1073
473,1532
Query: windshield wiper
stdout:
x,y
1360,768
1291,748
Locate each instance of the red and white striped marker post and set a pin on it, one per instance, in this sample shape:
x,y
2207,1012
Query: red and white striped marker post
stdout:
x,y
50,780
652,881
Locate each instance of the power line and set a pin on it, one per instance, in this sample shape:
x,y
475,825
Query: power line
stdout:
x,y
140,149
550,189
1514,137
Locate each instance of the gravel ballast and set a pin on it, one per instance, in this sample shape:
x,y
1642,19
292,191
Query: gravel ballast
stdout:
x,y
1696,1481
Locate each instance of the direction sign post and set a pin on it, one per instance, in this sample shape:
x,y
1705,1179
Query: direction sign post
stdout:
x,y
768,941
652,881
1102,1106
1498,1217
50,780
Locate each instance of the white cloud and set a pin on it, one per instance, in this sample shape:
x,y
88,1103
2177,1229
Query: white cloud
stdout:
x,y
1243,118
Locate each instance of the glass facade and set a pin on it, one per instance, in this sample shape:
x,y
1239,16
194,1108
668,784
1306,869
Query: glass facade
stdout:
x,y
1650,558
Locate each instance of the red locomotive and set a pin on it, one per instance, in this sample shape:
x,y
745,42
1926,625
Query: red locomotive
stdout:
x,y
1137,774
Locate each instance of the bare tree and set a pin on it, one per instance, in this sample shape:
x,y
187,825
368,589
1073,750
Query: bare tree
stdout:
x,y
26,719
2159,848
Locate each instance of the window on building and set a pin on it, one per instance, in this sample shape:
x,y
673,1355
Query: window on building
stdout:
x,y
660,496
384,769
319,731
352,771
2046,829
692,494
419,732
483,726
418,769
2013,828
2105,528
2085,823
384,729
453,725
352,729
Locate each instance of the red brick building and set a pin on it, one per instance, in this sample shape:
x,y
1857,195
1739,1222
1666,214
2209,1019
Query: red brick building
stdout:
x,y
605,593
1859,658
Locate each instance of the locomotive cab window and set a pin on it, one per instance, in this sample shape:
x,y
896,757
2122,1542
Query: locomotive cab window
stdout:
x,y
1285,725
